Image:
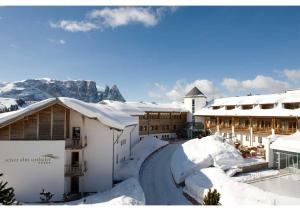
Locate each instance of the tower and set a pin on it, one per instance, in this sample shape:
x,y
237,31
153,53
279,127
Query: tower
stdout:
x,y
194,100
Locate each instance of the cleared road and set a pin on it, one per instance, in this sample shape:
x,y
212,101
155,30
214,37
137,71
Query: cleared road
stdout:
x,y
157,182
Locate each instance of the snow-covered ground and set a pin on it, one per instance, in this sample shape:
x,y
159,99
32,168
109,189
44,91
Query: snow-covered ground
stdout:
x,y
128,192
131,167
202,153
251,176
232,192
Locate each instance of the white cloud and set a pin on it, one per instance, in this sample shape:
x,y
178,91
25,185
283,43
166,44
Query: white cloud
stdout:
x,y
259,83
62,42
74,26
179,90
114,17
292,75
230,84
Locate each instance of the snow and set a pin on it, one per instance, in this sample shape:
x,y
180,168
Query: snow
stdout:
x,y
256,100
251,176
124,107
104,114
131,167
4,117
202,153
128,192
232,192
289,143
159,107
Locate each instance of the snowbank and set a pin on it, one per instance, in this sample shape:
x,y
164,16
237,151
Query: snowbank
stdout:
x,y
251,176
131,167
128,192
287,143
232,192
202,153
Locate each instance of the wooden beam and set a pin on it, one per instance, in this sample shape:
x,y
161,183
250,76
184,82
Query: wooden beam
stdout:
x,y
38,126
65,124
51,124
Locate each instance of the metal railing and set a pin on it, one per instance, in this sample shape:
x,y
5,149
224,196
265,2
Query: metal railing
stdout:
x,y
76,143
76,170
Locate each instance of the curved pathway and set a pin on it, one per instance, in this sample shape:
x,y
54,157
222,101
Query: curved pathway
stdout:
x,y
157,181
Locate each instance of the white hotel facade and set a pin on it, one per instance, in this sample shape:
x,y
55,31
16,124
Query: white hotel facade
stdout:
x,y
64,145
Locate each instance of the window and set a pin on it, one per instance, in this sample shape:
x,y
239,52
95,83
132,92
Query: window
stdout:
x,y
216,107
76,133
174,127
151,127
267,106
291,105
247,138
141,128
145,128
259,140
193,105
156,127
167,127
229,107
247,107
123,142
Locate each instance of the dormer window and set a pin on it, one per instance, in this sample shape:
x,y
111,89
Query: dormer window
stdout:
x,y
247,107
291,105
267,106
231,107
216,107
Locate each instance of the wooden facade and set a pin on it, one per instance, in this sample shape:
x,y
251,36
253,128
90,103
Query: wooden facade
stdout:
x,y
261,126
161,122
47,124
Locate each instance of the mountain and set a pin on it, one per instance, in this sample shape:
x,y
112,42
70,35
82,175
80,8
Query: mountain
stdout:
x,y
10,104
40,89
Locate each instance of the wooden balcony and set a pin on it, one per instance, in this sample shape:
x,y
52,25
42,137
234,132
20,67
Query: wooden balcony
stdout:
x,y
260,130
75,170
225,128
75,143
241,128
285,131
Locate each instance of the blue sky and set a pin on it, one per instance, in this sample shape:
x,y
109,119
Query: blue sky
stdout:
x,y
155,53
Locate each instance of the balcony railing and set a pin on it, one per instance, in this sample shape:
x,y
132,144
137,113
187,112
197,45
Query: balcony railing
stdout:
x,y
75,170
241,128
285,131
266,130
76,143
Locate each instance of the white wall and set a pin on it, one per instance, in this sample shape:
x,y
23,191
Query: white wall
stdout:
x,y
98,155
122,151
135,137
200,102
27,175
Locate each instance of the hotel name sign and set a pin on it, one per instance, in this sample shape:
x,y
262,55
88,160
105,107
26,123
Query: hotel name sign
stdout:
x,y
41,160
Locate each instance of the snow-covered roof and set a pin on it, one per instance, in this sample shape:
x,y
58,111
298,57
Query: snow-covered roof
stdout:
x,y
18,114
124,107
278,112
105,114
159,107
289,143
253,100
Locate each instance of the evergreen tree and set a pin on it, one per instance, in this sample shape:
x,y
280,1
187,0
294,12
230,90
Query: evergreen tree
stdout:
x,y
7,196
212,198
46,196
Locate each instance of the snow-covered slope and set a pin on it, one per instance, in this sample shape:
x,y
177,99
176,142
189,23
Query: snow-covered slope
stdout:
x,y
40,89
